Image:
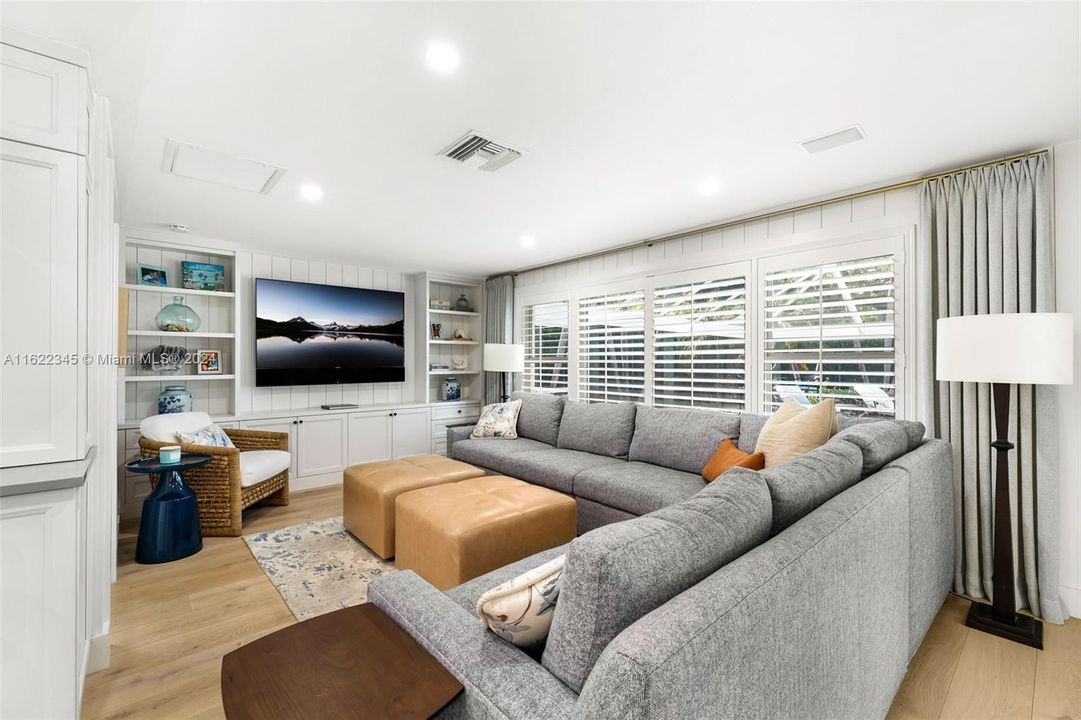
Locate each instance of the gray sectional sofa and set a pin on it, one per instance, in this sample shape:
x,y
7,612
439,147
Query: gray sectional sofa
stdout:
x,y
799,591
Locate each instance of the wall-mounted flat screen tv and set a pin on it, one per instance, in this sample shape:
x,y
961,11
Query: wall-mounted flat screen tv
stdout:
x,y
309,334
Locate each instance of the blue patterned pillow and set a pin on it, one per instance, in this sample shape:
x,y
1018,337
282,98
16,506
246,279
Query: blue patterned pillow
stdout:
x,y
211,435
498,420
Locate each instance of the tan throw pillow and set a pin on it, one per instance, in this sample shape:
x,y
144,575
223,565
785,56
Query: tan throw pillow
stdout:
x,y
793,430
520,610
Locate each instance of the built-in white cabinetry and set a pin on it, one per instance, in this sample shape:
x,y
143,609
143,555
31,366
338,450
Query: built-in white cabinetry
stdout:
x,y
42,238
409,433
322,444
42,606
370,436
44,101
57,252
450,414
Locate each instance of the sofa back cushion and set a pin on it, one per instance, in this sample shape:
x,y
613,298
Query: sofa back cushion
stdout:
x,y
539,417
882,442
802,484
599,428
680,439
616,574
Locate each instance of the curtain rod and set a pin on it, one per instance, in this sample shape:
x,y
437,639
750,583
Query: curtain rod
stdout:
x,y
775,213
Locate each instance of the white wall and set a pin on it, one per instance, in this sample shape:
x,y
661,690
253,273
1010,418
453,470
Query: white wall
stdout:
x,y
1067,159
297,397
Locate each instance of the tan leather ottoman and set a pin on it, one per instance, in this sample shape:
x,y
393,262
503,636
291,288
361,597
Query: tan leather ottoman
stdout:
x,y
369,491
452,533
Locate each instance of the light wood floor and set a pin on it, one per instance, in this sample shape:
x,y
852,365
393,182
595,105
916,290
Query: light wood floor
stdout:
x,y
172,624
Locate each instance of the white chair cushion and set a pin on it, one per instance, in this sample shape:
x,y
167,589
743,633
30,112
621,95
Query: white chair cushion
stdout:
x,y
163,428
259,465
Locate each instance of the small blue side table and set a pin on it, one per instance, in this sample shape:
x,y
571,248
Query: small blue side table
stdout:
x,y
169,527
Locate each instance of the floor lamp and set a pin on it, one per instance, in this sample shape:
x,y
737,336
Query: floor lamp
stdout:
x,y
503,358
1005,349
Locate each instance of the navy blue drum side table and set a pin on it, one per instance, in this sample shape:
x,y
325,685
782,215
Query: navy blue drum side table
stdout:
x,y
169,527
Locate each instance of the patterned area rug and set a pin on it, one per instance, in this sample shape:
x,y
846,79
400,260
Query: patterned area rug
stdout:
x,y
318,567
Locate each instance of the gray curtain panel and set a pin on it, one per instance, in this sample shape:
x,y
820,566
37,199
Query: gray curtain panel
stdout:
x,y
498,325
985,242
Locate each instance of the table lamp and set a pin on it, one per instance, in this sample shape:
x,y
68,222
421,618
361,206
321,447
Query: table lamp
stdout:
x,y
1005,349
504,358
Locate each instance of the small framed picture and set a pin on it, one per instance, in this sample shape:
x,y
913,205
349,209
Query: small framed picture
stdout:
x,y
202,276
152,275
437,331
208,362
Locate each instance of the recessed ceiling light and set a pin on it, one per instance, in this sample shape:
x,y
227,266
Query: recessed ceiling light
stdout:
x,y
311,192
709,186
527,241
442,57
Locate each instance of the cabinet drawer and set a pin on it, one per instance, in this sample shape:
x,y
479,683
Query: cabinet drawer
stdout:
x,y
450,412
42,100
439,427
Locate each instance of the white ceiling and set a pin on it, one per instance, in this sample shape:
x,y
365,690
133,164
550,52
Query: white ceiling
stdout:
x,y
621,109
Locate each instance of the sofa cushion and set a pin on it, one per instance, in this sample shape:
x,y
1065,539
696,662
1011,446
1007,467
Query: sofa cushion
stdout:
x,y
493,453
259,465
916,432
600,428
616,574
679,439
729,456
556,468
750,426
794,430
880,443
163,428
635,487
800,485
540,415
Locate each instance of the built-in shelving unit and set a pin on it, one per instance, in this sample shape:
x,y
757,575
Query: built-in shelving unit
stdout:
x,y
218,314
445,350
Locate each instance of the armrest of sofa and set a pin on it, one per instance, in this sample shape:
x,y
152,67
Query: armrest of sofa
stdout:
x,y
458,432
500,680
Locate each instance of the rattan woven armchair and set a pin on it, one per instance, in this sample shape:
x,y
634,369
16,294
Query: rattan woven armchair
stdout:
x,y
217,484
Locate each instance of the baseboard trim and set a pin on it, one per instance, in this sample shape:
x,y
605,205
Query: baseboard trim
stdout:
x,y
1071,596
99,654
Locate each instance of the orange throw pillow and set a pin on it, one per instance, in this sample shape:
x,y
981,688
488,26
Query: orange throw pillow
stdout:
x,y
730,456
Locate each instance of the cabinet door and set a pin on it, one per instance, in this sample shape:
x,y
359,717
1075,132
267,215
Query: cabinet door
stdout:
x,y
42,100
41,237
322,444
283,425
412,432
369,437
39,572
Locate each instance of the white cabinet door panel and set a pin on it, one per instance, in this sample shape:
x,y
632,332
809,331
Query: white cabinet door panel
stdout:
x,y
412,432
369,437
42,100
40,355
322,444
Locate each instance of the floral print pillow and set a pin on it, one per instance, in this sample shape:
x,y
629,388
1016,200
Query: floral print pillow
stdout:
x,y
211,435
520,610
499,420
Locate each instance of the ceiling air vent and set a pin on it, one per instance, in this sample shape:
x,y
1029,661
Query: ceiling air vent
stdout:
x,y
833,139
200,163
475,151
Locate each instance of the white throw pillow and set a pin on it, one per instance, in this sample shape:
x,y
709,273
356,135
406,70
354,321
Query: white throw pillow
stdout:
x,y
520,610
211,435
499,420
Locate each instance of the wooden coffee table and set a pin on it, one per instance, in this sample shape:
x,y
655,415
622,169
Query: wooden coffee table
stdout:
x,y
352,663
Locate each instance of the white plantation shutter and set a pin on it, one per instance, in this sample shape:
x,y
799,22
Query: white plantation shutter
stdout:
x,y
545,335
612,347
700,345
828,331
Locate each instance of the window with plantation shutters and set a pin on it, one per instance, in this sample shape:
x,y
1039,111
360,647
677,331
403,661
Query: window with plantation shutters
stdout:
x,y
700,345
612,347
545,335
828,331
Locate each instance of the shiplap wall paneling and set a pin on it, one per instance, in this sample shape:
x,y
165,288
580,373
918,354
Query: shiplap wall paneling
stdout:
x,y
298,397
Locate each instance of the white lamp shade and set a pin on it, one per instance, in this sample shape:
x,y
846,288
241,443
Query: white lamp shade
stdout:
x,y
1024,348
501,357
